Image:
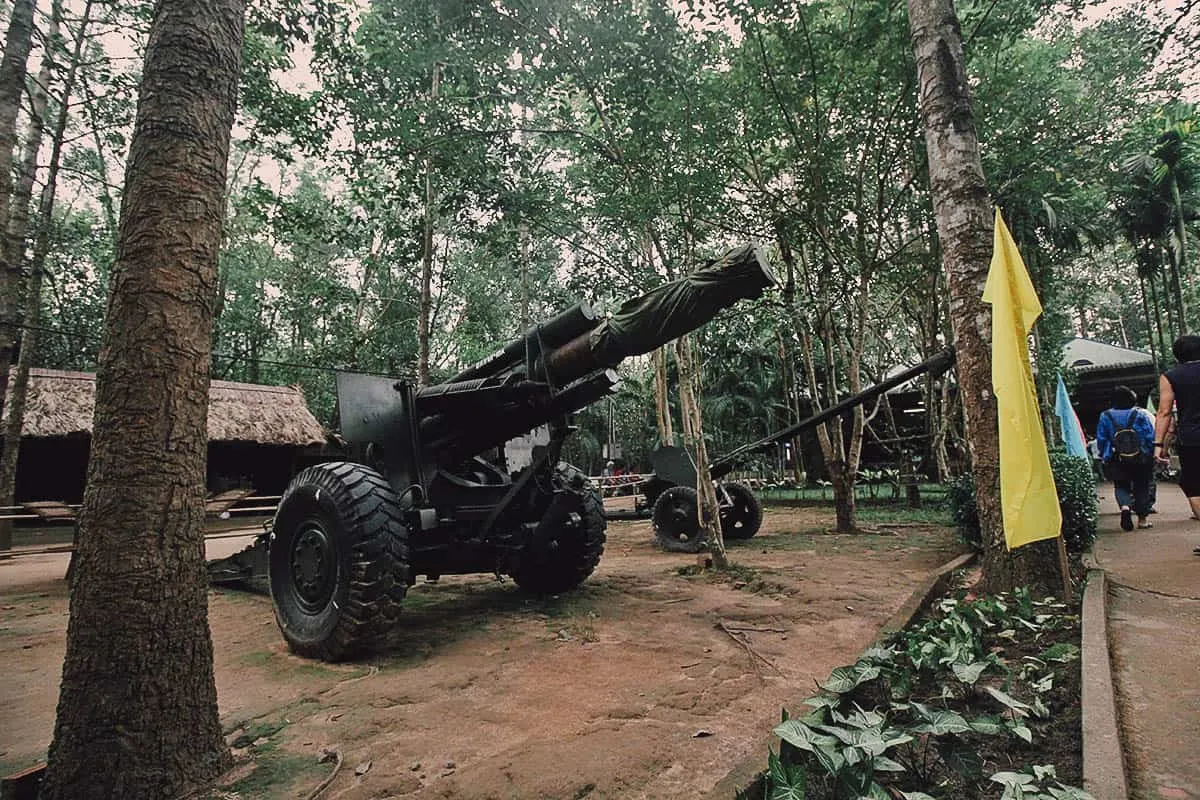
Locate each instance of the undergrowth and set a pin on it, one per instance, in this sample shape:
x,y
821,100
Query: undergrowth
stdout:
x,y
943,712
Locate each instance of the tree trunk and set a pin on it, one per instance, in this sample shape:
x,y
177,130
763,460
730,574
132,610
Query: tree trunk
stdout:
x,y
789,302
693,427
944,420
1157,314
662,399
524,241
14,247
1179,262
830,435
843,495
137,710
791,403
1158,367
426,307
964,222
12,84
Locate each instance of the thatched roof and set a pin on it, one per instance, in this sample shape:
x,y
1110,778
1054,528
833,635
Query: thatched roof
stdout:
x,y
60,404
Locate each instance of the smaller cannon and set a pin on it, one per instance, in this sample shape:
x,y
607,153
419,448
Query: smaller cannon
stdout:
x,y
671,492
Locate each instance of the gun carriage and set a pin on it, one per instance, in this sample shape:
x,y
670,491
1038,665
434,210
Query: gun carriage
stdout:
x,y
427,488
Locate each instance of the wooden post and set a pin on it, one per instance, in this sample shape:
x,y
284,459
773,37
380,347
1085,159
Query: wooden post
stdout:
x,y
1065,567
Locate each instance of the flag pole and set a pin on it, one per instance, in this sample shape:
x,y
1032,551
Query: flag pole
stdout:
x,y
1065,566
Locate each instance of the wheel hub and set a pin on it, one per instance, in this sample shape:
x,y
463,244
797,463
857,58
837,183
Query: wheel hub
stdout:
x,y
313,570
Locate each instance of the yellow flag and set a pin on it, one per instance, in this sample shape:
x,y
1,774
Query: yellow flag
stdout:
x,y
1027,495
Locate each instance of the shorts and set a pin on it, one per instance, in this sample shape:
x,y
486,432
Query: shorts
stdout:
x,y
1189,469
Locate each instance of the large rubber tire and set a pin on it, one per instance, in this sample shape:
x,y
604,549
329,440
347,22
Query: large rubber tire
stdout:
x,y
564,560
742,518
676,521
338,561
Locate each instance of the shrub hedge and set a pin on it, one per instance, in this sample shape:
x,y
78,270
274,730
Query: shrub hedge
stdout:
x,y
1076,486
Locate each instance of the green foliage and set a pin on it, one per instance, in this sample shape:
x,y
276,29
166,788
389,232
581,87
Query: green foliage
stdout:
x,y
592,150
1076,487
960,497
886,718
1036,783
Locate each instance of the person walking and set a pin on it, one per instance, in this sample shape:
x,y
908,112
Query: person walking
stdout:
x,y
1126,442
1180,387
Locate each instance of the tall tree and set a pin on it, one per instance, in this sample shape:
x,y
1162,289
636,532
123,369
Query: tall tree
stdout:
x,y
964,222
12,84
137,712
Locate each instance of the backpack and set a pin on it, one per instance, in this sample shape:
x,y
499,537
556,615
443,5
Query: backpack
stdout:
x,y
1127,442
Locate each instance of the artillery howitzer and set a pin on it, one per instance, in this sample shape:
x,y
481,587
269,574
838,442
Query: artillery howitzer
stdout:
x,y
427,489
672,496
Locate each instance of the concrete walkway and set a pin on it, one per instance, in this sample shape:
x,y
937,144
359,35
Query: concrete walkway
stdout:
x,y
1154,632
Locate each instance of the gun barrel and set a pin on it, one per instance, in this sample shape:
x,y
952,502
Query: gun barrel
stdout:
x,y
935,366
452,438
663,314
557,367
561,328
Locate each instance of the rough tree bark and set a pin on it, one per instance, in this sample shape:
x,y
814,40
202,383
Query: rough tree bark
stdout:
x,y
137,710
12,83
693,428
964,222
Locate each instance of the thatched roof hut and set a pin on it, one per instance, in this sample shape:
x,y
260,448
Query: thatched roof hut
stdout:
x,y
60,404
258,436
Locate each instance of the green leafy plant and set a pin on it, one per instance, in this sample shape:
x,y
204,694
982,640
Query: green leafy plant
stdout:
x,y
1036,783
850,748
885,722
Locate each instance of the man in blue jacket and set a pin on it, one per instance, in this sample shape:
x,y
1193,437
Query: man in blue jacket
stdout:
x,y
1126,441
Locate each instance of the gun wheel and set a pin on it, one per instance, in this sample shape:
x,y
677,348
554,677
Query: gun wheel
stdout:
x,y
743,516
338,561
677,521
569,540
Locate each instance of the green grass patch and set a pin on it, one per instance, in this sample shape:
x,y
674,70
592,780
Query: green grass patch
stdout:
x,y
241,597
935,515
254,731
9,766
566,605
257,658
417,599
284,666
40,598
573,614
276,775
739,576
824,540
863,492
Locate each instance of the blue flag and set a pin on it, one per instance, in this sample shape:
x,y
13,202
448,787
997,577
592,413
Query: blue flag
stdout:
x,y
1068,422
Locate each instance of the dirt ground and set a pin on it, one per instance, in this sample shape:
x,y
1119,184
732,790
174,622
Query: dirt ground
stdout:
x,y
644,683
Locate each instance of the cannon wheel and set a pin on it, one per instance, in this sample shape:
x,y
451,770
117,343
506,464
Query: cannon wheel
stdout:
x,y
571,551
742,518
338,561
676,521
